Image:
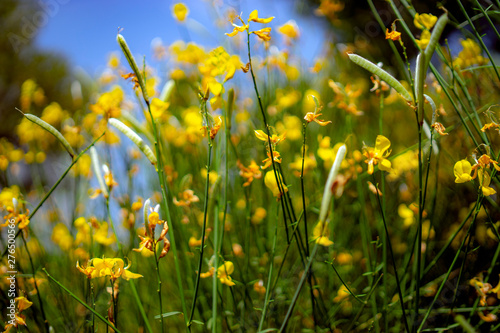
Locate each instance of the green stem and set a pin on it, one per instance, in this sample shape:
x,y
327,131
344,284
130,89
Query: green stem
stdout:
x,y
400,293
81,302
139,305
158,279
205,212
269,277
299,288
47,195
268,131
452,265
45,322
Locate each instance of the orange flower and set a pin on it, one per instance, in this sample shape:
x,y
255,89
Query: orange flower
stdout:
x,y
484,162
490,126
310,116
186,198
439,128
249,173
393,35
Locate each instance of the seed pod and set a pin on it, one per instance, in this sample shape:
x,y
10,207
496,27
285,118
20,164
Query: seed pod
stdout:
x,y
96,166
420,71
166,92
327,194
49,128
383,75
131,61
436,34
147,204
135,139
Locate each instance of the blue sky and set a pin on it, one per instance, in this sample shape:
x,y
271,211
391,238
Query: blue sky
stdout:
x,y
85,31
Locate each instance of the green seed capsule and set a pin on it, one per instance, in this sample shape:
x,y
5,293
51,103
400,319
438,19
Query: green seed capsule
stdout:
x,y
49,128
135,139
146,212
383,75
96,166
131,61
436,34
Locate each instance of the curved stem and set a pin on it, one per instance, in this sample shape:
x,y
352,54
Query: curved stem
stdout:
x,y
205,213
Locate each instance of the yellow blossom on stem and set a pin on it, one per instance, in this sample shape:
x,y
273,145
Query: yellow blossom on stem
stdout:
x,y
254,17
462,170
264,34
237,28
489,126
275,139
270,181
321,234
224,272
19,319
210,273
215,128
112,267
425,38
393,35
267,162
484,162
424,21
310,116
484,181
378,154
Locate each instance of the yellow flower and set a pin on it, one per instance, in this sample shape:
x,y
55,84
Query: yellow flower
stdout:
x,y
180,11
249,173
237,28
275,139
19,319
290,30
267,162
259,215
378,154
215,128
393,35
254,16
462,170
484,182
424,21
310,116
321,234
112,267
158,107
470,54
224,272
264,34
270,181
309,164
489,126
484,162
186,198
425,38
407,215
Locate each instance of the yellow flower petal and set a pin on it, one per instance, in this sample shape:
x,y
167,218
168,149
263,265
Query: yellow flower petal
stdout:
x,y
254,16
462,170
